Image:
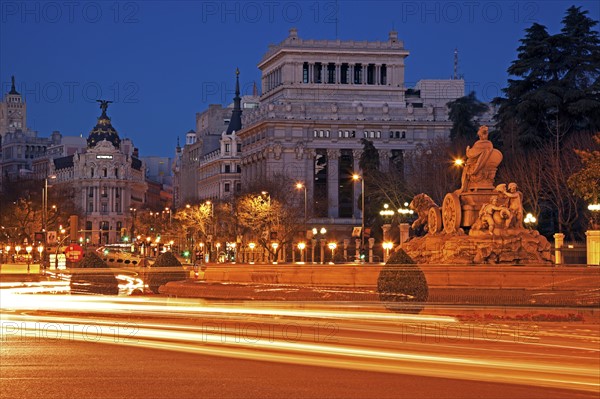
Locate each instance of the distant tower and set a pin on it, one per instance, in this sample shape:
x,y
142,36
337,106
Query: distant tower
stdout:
x,y
456,74
13,111
235,123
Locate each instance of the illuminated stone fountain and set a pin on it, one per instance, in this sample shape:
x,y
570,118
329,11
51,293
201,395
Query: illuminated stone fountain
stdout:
x,y
479,222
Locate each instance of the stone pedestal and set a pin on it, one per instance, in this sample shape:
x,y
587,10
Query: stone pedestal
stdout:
x,y
511,247
404,232
559,239
386,232
593,247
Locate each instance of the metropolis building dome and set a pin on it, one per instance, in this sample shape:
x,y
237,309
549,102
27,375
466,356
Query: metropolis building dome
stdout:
x,y
103,129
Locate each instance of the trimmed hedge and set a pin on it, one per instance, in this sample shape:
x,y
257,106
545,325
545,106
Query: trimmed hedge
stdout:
x,y
93,276
402,285
169,269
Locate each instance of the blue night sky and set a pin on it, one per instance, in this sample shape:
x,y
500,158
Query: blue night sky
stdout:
x,y
161,62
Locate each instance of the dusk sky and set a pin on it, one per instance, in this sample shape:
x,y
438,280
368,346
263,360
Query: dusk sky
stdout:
x,y
161,62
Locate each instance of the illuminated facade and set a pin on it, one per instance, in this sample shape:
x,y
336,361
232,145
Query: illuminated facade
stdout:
x,y
108,179
320,98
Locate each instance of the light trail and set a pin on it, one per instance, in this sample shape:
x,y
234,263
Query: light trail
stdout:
x,y
229,343
360,337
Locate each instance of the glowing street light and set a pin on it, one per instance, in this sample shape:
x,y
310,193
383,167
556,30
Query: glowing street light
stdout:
x,y
275,246
387,246
332,246
405,211
301,246
251,246
7,248
386,212
529,220
459,162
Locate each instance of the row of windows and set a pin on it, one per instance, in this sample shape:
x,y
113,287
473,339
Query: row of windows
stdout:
x,y
227,187
104,172
397,134
228,169
347,134
348,73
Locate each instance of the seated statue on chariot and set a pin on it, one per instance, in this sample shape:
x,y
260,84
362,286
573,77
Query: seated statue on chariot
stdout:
x,y
481,165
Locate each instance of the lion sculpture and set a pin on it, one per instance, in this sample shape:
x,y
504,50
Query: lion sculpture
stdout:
x,y
421,204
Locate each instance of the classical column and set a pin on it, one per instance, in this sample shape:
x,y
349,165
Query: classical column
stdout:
x,y
351,73
311,72
338,73
333,183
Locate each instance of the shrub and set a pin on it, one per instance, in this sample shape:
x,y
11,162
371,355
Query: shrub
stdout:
x,y
93,276
402,285
166,268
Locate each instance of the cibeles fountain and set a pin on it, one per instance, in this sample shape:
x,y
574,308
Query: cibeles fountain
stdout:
x,y
478,223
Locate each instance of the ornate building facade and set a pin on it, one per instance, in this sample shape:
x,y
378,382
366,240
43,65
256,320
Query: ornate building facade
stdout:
x,y
108,181
208,166
19,146
320,98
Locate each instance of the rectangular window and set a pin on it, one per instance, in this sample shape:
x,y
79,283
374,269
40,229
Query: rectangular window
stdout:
x,y
227,148
318,71
344,74
227,187
331,73
370,74
358,74
305,72
227,168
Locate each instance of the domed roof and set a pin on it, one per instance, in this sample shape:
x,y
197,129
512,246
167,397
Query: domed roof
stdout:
x,y
103,129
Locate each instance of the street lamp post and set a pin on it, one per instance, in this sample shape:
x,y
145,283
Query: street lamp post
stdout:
x,y
28,248
321,242
387,246
332,246
251,246
357,177
301,246
275,246
168,210
45,203
300,185
133,213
